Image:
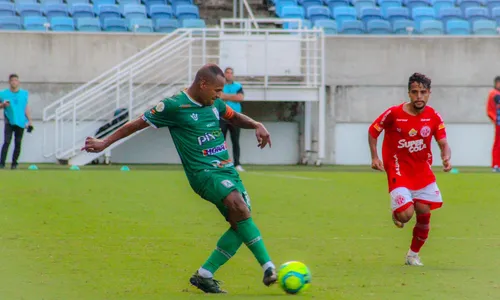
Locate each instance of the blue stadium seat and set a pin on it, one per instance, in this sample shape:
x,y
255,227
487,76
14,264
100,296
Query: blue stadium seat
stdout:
x,y
7,9
62,24
114,24
492,4
71,2
385,4
148,3
411,4
29,10
10,23
403,26
282,3
484,27
431,27
397,13
181,2
495,14
378,27
464,4
121,3
88,24
292,12
81,10
329,26
450,13
186,11
458,27
45,2
476,13
97,3
52,10
370,13
166,25
159,11
315,12
134,11
21,1
423,13
105,11
344,14
351,27
295,25
193,23
438,4
336,3
140,25
35,23
360,4
307,3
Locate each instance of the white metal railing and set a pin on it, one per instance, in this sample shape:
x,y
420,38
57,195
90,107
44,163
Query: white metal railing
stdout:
x,y
164,68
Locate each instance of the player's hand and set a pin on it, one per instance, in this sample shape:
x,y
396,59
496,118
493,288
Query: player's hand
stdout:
x,y
94,145
6,103
446,164
263,136
377,164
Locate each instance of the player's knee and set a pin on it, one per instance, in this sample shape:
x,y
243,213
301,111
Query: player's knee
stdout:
x,y
405,215
236,206
422,208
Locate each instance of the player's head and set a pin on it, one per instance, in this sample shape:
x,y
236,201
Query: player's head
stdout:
x,y
497,82
228,73
419,90
13,81
210,82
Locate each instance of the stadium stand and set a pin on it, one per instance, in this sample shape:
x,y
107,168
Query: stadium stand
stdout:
x,y
100,15
427,17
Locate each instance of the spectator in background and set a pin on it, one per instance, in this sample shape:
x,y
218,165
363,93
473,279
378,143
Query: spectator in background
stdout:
x,y
493,110
233,95
17,115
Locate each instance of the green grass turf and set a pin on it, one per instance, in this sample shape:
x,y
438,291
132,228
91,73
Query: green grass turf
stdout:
x,y
103,234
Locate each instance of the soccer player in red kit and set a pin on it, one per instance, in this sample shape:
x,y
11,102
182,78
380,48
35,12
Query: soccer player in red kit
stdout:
x,y
407,159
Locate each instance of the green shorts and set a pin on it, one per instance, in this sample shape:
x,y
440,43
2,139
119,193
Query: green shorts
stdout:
x,y
215,186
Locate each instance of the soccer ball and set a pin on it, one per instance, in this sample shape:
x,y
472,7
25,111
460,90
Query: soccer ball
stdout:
x,y
294,277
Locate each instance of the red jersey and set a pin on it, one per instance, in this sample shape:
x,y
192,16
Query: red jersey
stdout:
x,y
406,150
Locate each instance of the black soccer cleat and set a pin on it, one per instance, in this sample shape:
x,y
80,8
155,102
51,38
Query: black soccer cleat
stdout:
x,y
270,276
207,285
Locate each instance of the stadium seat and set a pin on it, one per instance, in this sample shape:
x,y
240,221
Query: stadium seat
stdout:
x,y
21,1
316,12
464,4
108,11
97,3
450,13
7,9
385,4
35,23
329,26
295,25
181,2
193,23
55,10
397,13
46,2
186,11
484,27
403,26
159,11
336,3
88,24
423,13
491,4
473,14
430,27
307,3
411,4
29,10
378,27
351,27
438,4
134,11
121,3
114,24
495,14
10,23
81,10
62,24
344,14
370,13
166,25
148,3
71,2
359,5
458,27
292,12
140,25
282,3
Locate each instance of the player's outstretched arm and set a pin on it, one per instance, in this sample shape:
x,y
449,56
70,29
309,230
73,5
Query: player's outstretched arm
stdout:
x,y
243,121
445,154
96,145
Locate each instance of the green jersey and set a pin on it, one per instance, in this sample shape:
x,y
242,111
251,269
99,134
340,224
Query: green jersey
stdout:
x,y
195,131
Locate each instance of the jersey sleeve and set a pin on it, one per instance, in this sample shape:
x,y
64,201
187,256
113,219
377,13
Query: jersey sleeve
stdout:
x,y
162,115
383,121
225,111
440,129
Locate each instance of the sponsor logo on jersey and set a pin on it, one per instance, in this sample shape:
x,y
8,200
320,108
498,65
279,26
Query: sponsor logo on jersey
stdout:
x,y
207,137
222,164
211,124
160,107
412,146
194,116
396,165
215,150
412,132
401,120
227,183
216,112
425,131
377,127
425,120
441,126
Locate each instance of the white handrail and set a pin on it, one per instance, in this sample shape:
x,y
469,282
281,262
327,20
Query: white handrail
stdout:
x,y
250,13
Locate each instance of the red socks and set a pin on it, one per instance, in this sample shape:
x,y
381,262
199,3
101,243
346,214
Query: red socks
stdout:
x,y
420,232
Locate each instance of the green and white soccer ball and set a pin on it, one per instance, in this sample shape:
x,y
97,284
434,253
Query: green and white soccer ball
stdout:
x,y
294,277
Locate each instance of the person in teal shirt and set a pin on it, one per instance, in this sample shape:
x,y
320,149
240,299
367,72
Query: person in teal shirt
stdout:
x,y
17,117
233,95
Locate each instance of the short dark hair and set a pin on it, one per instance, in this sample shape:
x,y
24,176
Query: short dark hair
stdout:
x,y
13,76
419,78
209,72
497,79
228,68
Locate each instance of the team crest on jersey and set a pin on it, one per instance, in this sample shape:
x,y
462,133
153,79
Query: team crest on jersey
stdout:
x,y
227,183
425,131
216,112
412,132
160,107
194,116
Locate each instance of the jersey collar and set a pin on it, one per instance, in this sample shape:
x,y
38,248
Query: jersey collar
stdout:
x,y
184,91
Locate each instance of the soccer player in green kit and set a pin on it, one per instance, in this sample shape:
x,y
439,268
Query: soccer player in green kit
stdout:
x,y
192,117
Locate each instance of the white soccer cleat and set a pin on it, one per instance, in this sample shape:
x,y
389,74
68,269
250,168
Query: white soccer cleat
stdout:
x,y
397,223
413,260
240,168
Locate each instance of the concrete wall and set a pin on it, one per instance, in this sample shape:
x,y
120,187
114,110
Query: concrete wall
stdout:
x,y
365,75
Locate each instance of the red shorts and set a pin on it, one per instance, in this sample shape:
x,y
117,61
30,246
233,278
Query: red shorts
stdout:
x,y
402,198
